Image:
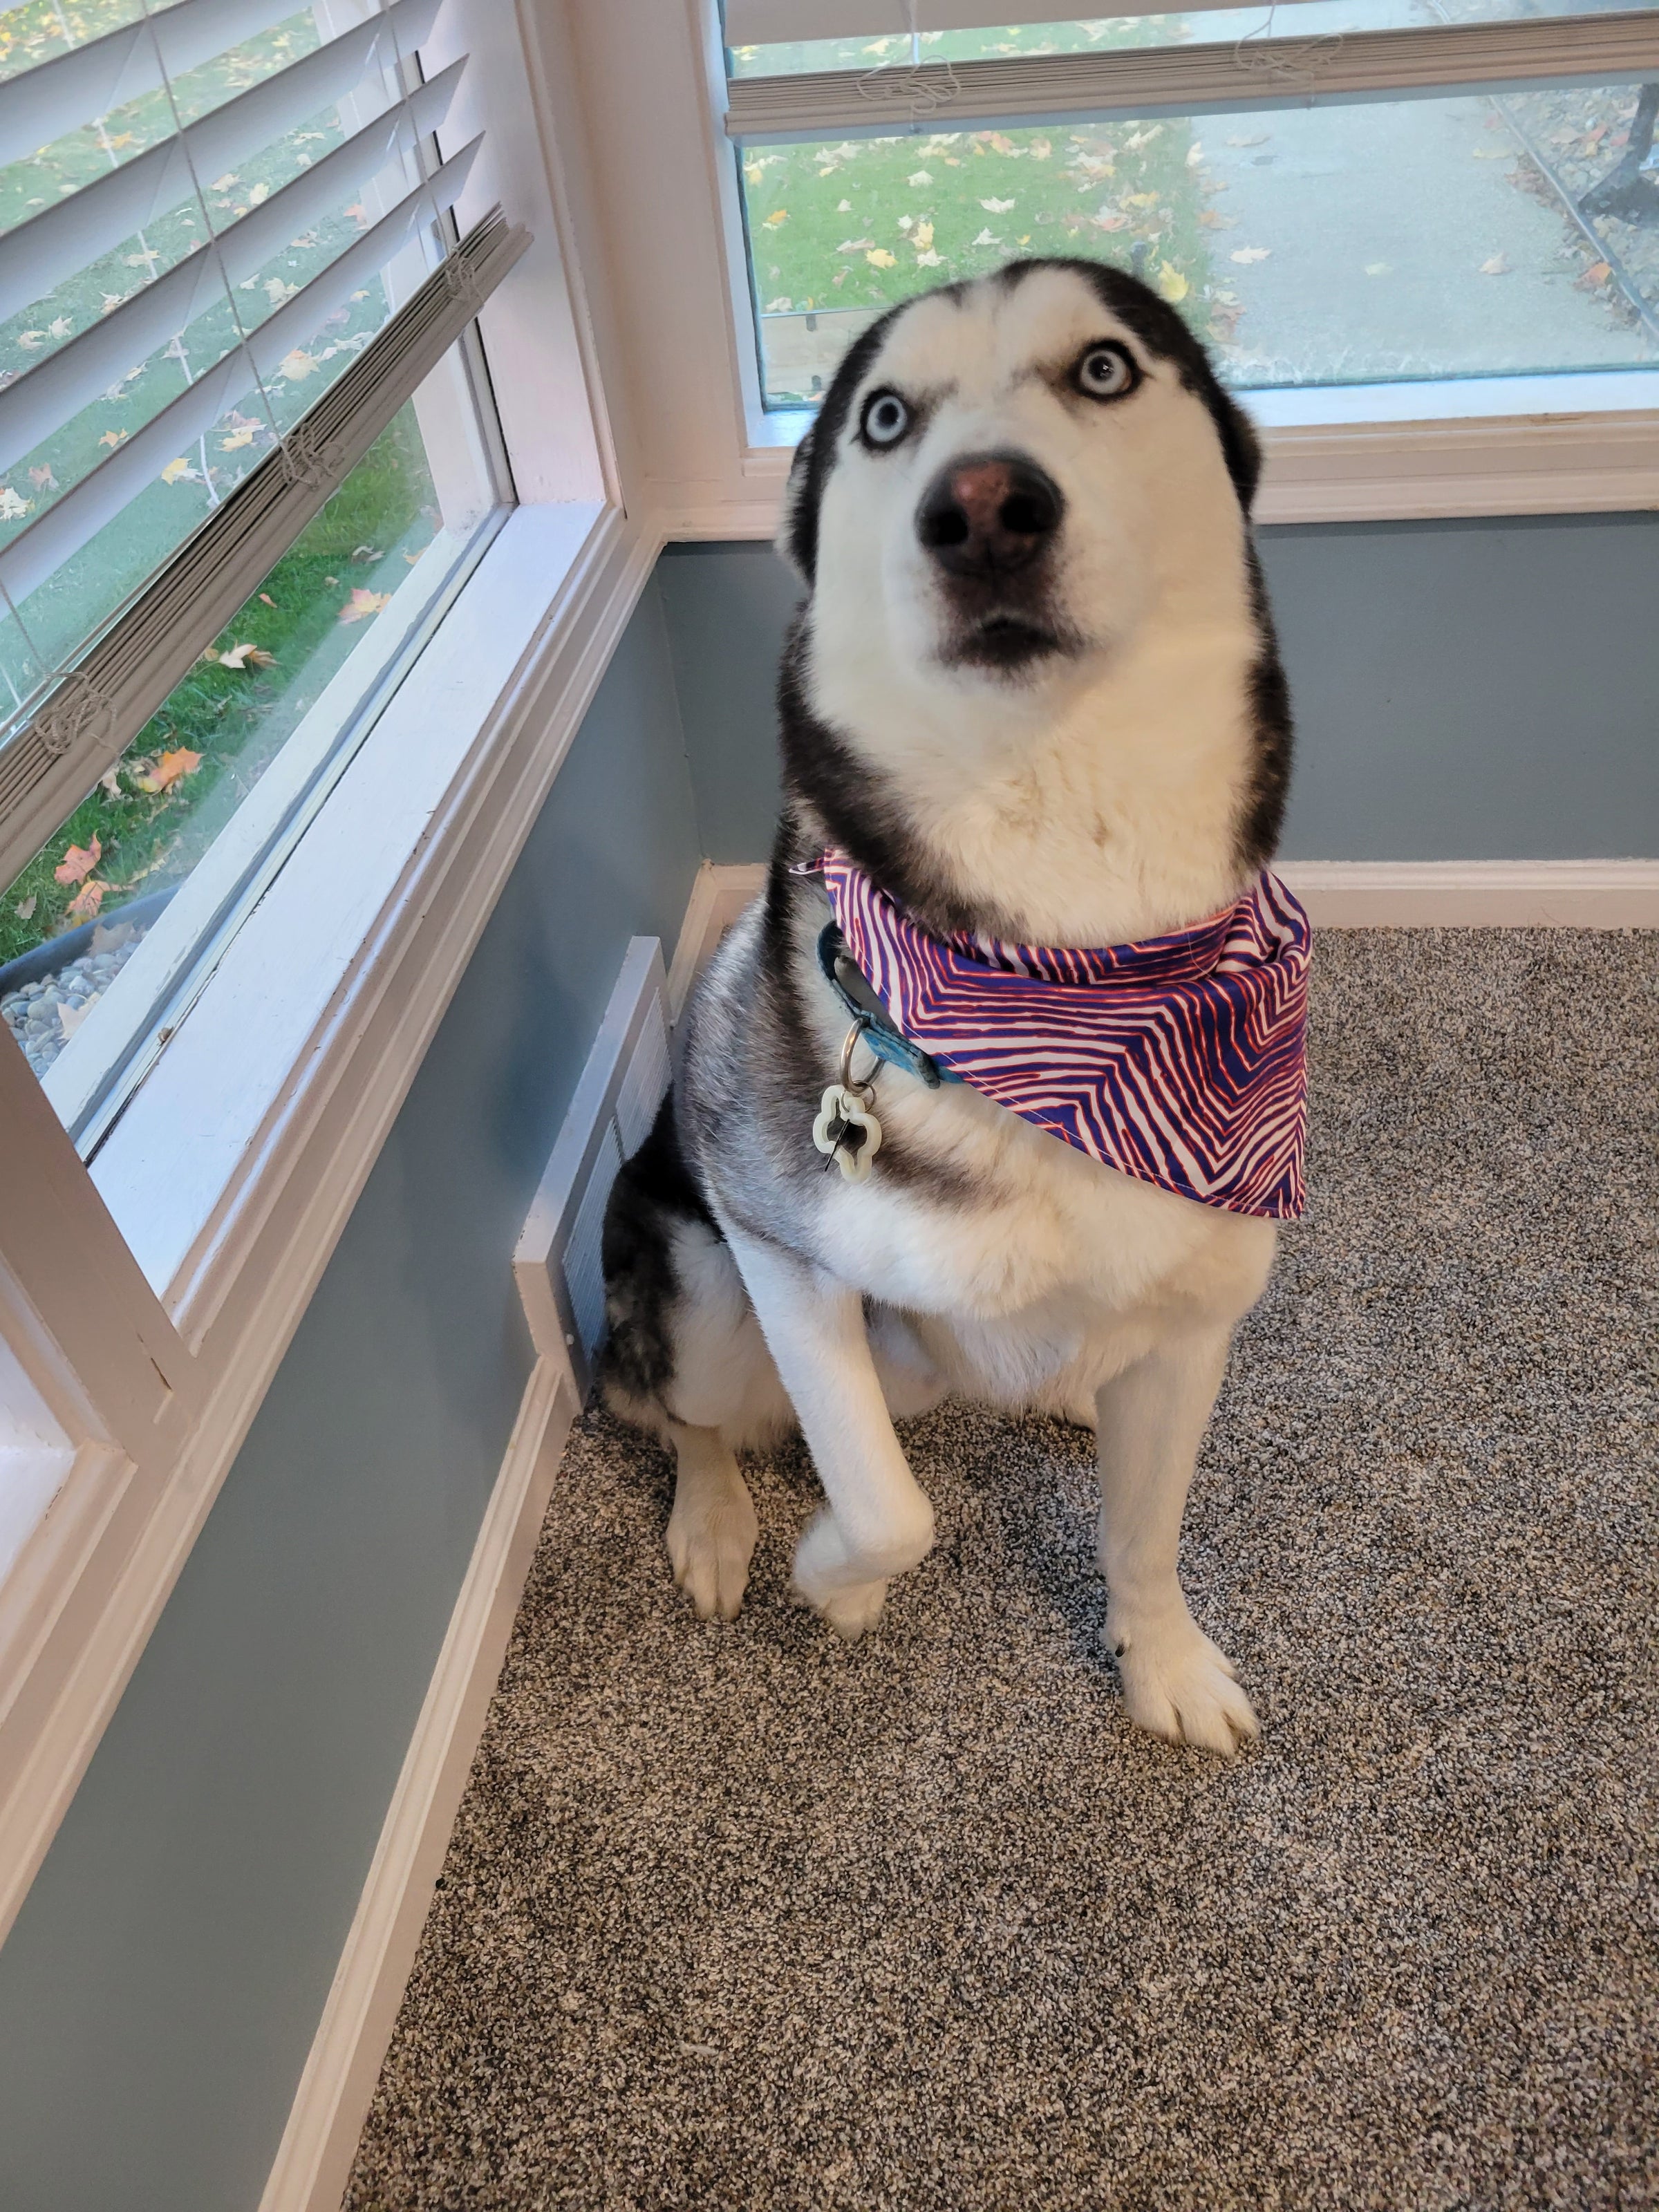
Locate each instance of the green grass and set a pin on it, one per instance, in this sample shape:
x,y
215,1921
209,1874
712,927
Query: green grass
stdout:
x,y
866,223
237,719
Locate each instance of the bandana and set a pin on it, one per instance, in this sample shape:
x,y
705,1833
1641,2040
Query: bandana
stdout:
x,y
1180,1061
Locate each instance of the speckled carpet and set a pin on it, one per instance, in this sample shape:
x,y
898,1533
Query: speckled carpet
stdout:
x,y
742,1916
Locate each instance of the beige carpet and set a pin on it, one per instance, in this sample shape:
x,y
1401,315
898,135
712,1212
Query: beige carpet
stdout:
x,y
739,1917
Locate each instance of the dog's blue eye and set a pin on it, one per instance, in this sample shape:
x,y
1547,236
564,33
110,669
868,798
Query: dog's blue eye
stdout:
x,y
886,419
1106,372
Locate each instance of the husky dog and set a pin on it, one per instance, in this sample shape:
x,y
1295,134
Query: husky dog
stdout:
x,y
1033,690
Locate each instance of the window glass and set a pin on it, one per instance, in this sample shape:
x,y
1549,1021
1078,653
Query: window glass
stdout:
x,y
107,933
1445,237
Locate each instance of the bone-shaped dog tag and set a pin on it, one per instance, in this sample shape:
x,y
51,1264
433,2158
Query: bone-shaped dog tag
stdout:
x,y
846,1132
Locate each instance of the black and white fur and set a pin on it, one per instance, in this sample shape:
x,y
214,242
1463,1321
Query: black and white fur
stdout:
x,y
1033,689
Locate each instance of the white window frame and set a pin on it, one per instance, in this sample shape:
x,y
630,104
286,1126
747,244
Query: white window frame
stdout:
x,y
130,1390
716,461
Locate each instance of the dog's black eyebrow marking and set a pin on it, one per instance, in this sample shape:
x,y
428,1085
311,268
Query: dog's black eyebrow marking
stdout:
x,y
1155,324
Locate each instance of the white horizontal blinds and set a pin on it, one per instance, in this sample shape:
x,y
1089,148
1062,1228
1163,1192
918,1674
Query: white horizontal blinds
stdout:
x,y
1200,78
95,709
75,231
783,22
192,265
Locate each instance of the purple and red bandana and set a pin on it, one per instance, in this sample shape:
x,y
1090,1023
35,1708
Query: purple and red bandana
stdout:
x,y
1180,1061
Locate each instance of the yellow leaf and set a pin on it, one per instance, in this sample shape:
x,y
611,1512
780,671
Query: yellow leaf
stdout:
x,y
778,216
112,439
86,901
174,469
237,438
1171,284
168,770
923,236
881,258
296,365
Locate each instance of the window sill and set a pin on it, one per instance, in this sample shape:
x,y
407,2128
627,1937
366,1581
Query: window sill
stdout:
x,y
1479,446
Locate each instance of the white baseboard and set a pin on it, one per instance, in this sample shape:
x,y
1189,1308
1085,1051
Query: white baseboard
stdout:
x,y
1338,894
332,2101
719,895
1476,894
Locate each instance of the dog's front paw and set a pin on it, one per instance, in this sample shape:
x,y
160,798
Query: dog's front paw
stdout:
x,y
710,1544
829,1581
1178,1685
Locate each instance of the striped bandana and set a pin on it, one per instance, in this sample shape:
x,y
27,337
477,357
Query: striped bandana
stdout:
x,y
1180,1060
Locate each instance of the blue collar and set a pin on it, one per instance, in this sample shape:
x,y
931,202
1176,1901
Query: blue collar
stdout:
x,y
886,1040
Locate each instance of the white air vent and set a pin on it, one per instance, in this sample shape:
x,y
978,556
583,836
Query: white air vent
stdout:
x,y
557,1265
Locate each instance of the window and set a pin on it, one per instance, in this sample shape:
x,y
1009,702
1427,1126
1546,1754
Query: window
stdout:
x,y
1334,193
246,456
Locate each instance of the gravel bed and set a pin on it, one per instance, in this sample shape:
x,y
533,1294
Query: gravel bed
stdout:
x,y
44,1015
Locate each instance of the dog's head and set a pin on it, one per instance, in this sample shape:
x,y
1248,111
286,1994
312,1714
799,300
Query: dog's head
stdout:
x,y
1004,473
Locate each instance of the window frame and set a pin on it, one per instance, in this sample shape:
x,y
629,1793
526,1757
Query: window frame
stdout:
x,y
1500,446
150,1389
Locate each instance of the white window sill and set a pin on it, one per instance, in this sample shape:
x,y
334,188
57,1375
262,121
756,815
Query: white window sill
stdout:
x,y
206,1146
1473,446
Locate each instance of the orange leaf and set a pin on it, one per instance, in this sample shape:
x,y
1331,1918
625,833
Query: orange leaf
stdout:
x,y
79,861
362,604
1597,273
168,770
86,901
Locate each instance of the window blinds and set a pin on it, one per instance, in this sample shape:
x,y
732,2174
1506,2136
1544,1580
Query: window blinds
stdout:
x,y
281,197
1195,78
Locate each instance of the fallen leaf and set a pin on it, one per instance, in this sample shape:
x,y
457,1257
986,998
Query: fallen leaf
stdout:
x,y
1137,139
1211,221
854,245
881,258
61,327
175,470
25,908
265,600
1258,138
111,936
1251,253
86,901
1195,153
42,479
996,207
167,770
246,655
1597,273
1140,199
11,507
412,558
368,552
843,207
296,365
69,1019
923,236
79,861
1110,222
224,184
777,216
1497,266
929,260
362,604
1171,284
922,177
360,214
29,339
1494,153
1040,149
237,439
112,439
111,782
985,237
1378,268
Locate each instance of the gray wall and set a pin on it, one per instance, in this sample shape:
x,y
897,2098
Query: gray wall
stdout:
x,y
1463,691
160,1990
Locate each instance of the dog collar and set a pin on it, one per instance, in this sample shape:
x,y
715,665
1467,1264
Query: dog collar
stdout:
x,y
1179,1060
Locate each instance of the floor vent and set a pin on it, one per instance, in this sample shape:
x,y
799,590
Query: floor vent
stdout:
x,y
557,1264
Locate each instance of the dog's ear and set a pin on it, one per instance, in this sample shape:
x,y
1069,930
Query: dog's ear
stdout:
x,y
797,531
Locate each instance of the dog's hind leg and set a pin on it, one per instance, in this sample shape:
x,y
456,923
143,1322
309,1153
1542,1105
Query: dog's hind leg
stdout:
x,y
878,1522
1151,1420
711,1530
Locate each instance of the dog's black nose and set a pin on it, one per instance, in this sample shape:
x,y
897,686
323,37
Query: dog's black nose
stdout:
x,y
989,513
